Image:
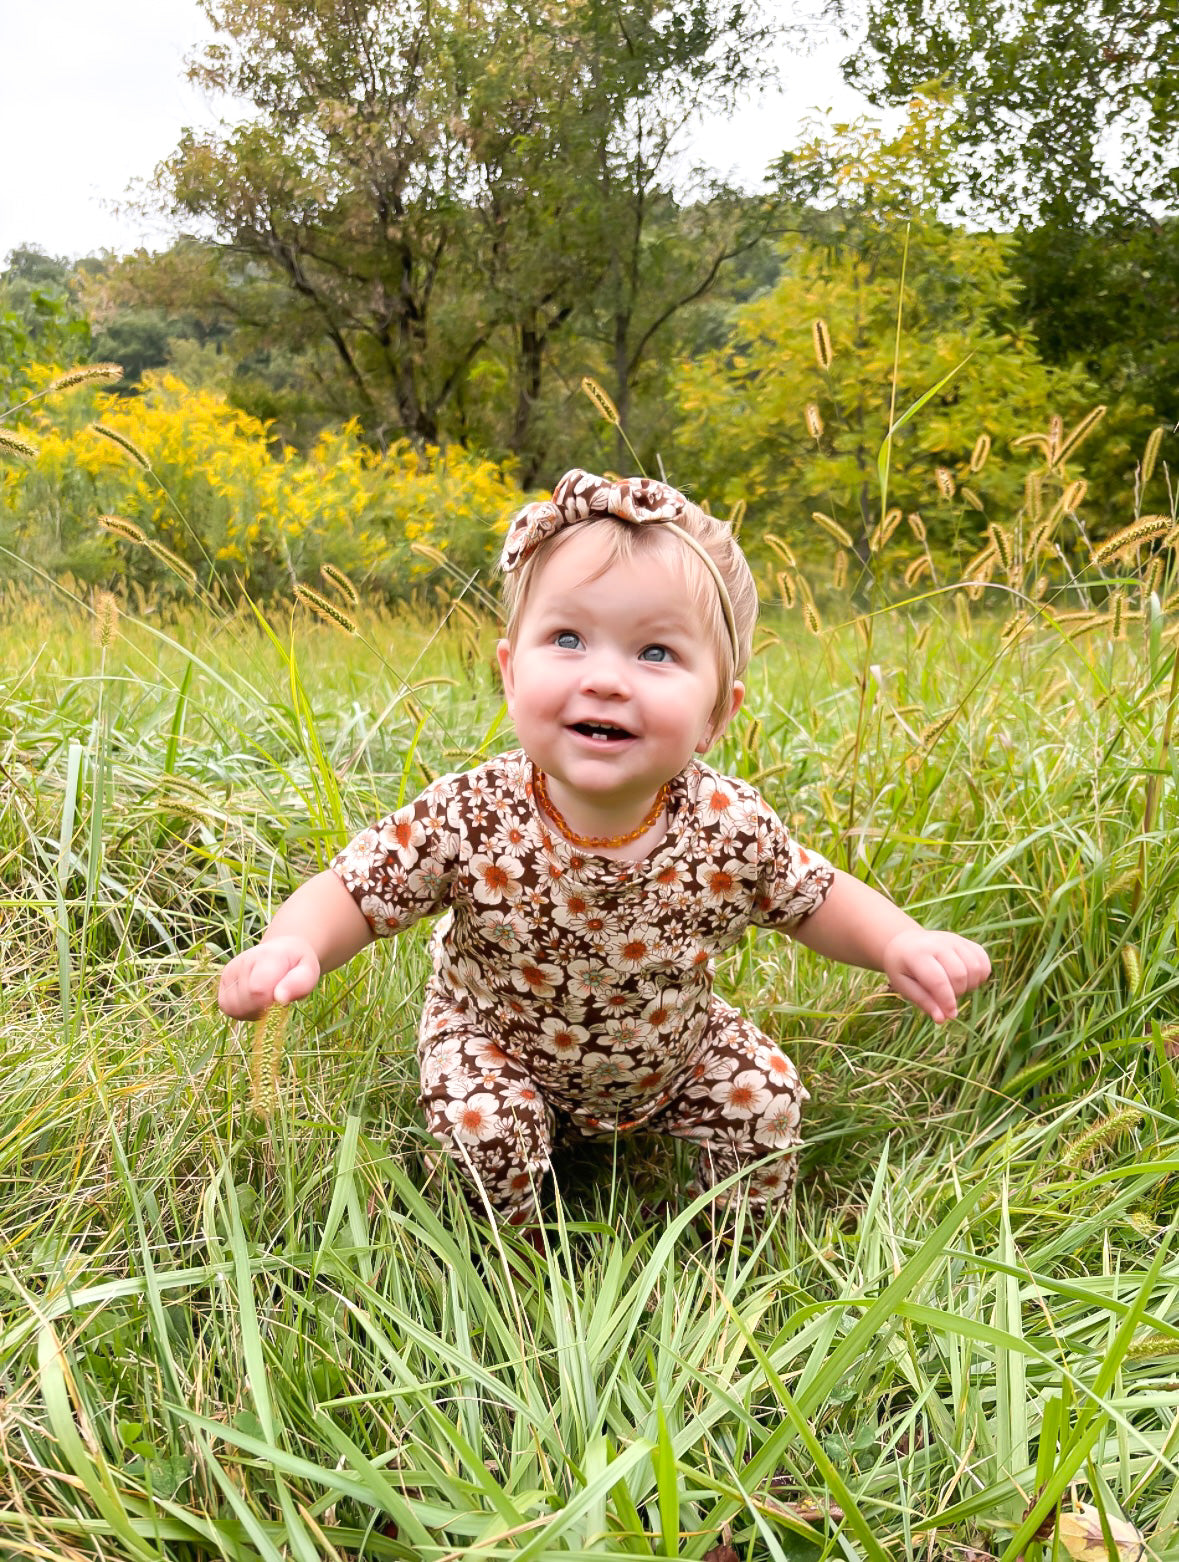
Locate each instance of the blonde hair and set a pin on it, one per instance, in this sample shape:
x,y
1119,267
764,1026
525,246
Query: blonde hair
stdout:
x,y
626,541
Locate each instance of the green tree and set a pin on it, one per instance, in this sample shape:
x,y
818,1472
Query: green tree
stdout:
x,y
437,187
1063,108
791,412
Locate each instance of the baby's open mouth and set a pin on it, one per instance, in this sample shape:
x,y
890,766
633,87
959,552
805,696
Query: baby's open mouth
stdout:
x,y
601,731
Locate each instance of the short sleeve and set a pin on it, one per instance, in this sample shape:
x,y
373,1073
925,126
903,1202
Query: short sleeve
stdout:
x,y
402,869
792,881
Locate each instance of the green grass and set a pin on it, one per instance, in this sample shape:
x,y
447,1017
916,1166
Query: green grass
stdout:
x,y
229,1336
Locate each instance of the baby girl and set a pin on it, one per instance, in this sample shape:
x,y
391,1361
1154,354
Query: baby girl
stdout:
x,y
591,876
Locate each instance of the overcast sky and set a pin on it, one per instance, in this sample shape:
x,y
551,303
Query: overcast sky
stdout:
x,y
93,96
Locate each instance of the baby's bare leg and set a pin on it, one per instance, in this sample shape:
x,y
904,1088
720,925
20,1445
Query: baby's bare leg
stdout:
x,y
742,1103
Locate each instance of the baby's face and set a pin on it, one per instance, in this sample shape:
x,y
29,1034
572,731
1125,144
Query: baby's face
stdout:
x,y
611,684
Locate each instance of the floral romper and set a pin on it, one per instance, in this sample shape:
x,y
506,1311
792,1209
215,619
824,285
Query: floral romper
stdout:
x,y
574,991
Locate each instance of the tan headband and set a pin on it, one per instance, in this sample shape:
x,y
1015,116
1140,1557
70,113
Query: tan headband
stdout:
x,y
580,496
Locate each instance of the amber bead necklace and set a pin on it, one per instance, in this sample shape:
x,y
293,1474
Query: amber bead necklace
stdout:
x,y
541,787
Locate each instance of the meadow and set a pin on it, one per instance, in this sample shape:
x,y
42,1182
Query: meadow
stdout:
x,y
239,1321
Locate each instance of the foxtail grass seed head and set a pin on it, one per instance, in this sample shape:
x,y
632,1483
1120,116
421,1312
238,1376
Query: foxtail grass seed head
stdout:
x,y
833,529
839,570
921,638
784,551
916,568
982,449
1083,429
736,516
1130,538
971,498
1117,618
1132,966
787,589
174,562
14,445
821,337
106,617
1073,497
601,401
337,579
863,634
1152,578
322,608
265,1059
120,526
126,445
962,614
1003,545
1033,495
1150,1344
810,617
1040,588
1055,438
945,482
1151,454
85,374
916,525
882,535
1099,1136
814,420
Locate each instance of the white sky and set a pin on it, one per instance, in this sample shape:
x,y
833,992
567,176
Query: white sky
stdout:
x,y
93,96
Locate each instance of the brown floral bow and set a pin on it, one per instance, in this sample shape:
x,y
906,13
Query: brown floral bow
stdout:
x,y
579,496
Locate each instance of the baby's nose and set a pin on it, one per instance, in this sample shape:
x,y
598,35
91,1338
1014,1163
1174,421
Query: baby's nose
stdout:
x,y
604,673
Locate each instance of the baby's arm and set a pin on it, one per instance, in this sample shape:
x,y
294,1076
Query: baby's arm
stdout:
x,y
317,929
857,925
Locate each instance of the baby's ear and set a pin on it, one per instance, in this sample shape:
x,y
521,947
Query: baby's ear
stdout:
x,y
503,655
719,725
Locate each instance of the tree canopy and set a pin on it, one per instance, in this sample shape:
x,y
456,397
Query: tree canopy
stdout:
x,y
1065,109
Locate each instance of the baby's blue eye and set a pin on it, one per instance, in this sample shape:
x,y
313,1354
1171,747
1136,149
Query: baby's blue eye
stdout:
x,y
567,639
655,653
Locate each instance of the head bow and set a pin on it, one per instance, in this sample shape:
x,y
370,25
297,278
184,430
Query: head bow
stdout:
x,y
580,496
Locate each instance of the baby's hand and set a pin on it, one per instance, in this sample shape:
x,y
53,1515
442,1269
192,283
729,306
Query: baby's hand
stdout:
x,y
278,970
933,970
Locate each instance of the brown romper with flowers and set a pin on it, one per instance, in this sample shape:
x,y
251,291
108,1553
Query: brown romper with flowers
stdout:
x,y
573,990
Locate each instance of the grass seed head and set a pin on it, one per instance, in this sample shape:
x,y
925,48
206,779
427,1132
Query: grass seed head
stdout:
x,y
945,482
916,525
787,589
916,568
322,608
337,579
126,445
1073,497
1033,495
1098,1136
85,374
821,337
1130,538
174,562
1002,544
120,526
833,529
982,449
1084,428
601,401
814,420
971,498
839,570
810,617
1055,438
16,446
736,515
1151,454
1132,966
106,617
266,1058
